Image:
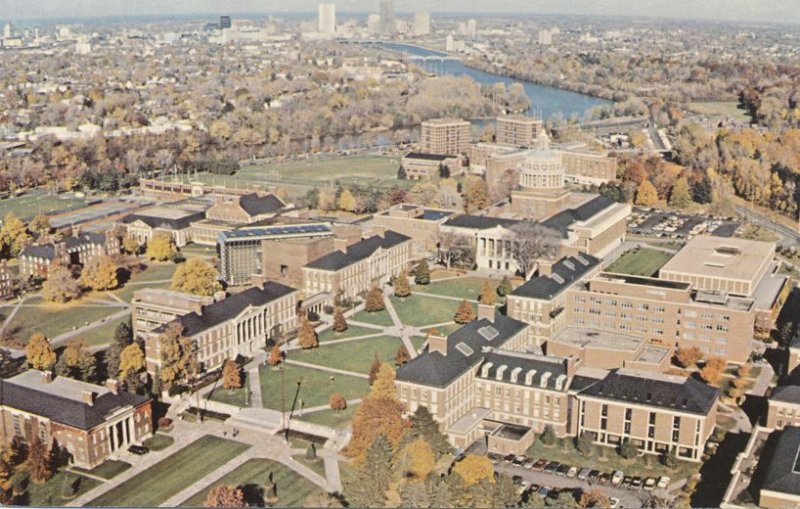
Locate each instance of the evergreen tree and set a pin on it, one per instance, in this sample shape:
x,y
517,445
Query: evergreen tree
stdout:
x,y
680,196
465,313
371,479
401,174
668,459
583,445
549,436
423,425
702,191
627,450
422,273
339,321
505,287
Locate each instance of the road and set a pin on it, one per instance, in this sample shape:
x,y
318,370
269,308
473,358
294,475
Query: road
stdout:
x,y
790,235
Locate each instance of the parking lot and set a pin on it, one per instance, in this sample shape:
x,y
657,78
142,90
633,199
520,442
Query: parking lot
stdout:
x,y
549,478
670,225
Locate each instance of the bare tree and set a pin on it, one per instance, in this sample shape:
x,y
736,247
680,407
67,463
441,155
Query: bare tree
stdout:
x,y
454,248
531,242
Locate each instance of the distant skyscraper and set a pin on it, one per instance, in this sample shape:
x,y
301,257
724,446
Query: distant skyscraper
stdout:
x,y
327,18
224,22
545,37
374,24
7,31
422,23
387,17
472,28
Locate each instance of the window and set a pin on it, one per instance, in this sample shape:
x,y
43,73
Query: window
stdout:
x,y
284,270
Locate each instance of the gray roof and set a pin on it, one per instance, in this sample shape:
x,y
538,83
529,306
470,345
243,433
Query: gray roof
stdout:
x,y
426,157
433,369
786,393
479,222
165,223
653,389
782,470
539,364
358,251
48,252
256,205
564,273
226,309
562,221
47,403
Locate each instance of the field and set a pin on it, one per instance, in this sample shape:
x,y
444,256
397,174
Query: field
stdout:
x,y
330,417
355,357
315,387
640,262
292,489
30,205
420,311
50,493
300,176
108,469
465,288
235,397
380,318
54,319
720,108
169,476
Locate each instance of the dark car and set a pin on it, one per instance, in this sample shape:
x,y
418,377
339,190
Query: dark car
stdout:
x,y
539,465
562,469
605,479
518,461
494,457
636,482
544,491
138,450
594,475
516,479
552,467
508,458
626,481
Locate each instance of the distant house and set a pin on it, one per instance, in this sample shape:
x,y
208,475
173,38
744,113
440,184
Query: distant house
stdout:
x,y
246,209
36,259
173,221
92,422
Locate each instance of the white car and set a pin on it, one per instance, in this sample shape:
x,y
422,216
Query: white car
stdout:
x,y
617,477
613,503
663,482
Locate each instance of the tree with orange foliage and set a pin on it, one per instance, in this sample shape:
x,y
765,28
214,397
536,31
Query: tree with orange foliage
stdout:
x,y
688,356
593,498
225,496
712,370
337,402
474,468
275,356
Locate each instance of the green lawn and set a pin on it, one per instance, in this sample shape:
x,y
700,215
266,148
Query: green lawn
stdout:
x,y
50,493
356,357
606,459
464,288
380,318
316,465
104,334
235,397
419,311
147,279
51,320
640,262
108,469
198,250
331,418
158,442
292,488
351,332
446,329
169,476
30,205
315,386
720,108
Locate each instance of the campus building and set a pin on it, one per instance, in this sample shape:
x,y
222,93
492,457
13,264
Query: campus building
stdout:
x,y
8,286
541,192
445,136
37,259
241,324
779,470
517,130
419,166
245,209
421,224
359,267
91,422
153,307
175,222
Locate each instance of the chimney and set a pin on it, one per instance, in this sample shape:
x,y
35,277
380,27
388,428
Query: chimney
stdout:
x,y
88,397
47,376
437,342
545,266
221,295
486,311
571,363
112,385
341,244
256,280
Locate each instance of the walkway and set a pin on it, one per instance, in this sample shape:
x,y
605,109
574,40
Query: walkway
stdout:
x,y
325,368
404,333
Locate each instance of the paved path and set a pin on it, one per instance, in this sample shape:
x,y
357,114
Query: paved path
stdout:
x,y
325,368
320,408
10,317
254,379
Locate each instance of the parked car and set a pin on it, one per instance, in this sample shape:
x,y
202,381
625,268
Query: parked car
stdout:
x,y
605,478
543,491
594,475
528,465
552,467
617,477
508,458
516,479
584,474
138,450
613,503
539,465
518,461
626,481
636,482
573,471
563,469
663,482
650,483
494,457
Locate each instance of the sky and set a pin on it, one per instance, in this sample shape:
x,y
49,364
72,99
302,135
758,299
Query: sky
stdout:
x,y
741,10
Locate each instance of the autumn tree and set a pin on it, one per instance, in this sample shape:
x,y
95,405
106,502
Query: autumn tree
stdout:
x,y
373,303
422,273
713,369
131,361
374,368
130,245
275,356
13,235
380,413
337,402
339,321
307,336
420,459
161,247
505,287
474,468
231,375
646,194
476,195
76,361
123,336
688,356
178,355
488,295
40,461
680,196
40,226
531,242
198,277
225,496
100,273
593,498
60,285
384,385
347,202
401,286
402,356
465,313
371,479
39,354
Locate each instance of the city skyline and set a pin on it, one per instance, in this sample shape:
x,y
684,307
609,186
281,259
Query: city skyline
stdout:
x,y
780,11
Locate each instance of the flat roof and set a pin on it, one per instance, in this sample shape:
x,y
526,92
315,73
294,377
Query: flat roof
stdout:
x,y
595,338
652,354
166,212
468,422
769,288
67,388
723,258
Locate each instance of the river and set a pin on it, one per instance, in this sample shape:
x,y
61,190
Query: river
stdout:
x,y
546,101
